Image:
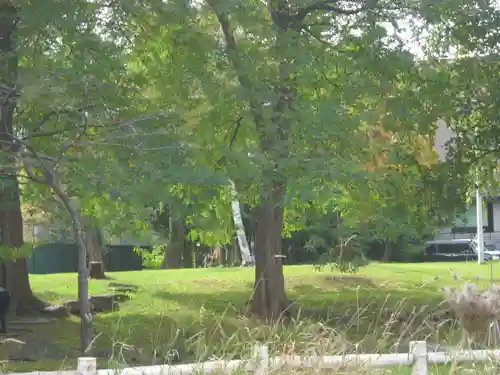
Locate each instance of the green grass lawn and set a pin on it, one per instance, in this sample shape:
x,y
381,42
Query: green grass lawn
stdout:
x,y
188,315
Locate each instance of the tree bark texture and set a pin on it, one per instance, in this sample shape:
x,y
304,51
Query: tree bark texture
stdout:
x,y
83,272
83,293
269,300
176,243
13,273
14,277
189,255
387,251
94,248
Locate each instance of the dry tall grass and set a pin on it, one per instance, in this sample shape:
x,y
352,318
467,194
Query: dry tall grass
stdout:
x,y
391,331
478,312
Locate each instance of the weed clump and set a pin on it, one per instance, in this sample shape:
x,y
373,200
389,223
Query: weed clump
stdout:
x,y
478,312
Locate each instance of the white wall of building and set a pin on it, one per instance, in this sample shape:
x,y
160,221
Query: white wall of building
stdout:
x,y
496,216
490,238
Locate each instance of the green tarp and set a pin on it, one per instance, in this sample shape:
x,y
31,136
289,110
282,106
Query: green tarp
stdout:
x,y
63,257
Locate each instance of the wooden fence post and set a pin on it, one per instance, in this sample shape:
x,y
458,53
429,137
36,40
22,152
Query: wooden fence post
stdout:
x,y
261,356
419,351
86,366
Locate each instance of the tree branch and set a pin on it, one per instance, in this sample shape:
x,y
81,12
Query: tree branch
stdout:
x,y
236,62
22,176
235,132
50,180
48,174
222,159
51,114
74,141
332,6
483,153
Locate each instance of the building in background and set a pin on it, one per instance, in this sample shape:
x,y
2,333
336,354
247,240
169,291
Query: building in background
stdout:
x,y
465,225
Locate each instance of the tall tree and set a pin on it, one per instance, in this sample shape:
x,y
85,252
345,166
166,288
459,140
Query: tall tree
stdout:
x,y
277,102
292,86
14,273
45,139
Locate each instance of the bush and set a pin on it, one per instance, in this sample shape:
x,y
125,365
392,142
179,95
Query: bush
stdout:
x,y
152,259
347,257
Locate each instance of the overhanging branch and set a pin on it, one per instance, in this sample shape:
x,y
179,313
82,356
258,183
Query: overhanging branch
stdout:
x,y
333,6
38,132
236,61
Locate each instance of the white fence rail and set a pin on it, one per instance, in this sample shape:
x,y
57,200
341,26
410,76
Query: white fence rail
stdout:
x,y
418,357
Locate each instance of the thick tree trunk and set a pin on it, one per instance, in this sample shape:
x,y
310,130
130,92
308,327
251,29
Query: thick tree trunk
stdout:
x,y
14,273
189,255
387,252
14,277
94,249
269,299
176,244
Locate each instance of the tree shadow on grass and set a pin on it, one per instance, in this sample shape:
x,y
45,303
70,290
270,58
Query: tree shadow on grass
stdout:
x,y
120,340
350,280
50,296
32,343
362,295
314,302
217,302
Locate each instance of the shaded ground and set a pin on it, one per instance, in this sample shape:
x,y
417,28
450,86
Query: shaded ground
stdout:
x,y
182,315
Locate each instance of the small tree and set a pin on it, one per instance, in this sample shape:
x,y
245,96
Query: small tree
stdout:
x,y
38,171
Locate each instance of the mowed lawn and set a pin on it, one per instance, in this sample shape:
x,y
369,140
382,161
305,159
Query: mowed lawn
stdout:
x,y
185,315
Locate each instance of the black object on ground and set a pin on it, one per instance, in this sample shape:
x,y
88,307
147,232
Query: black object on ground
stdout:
x,y
4,307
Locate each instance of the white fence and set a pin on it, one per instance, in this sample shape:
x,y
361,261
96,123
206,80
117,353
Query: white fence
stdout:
x,y
418,357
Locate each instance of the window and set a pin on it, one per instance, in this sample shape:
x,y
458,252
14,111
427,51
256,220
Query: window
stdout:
x,y
453,248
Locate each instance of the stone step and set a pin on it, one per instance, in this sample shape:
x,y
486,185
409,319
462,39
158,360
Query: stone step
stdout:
x,y
123,287
55,310
99,303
